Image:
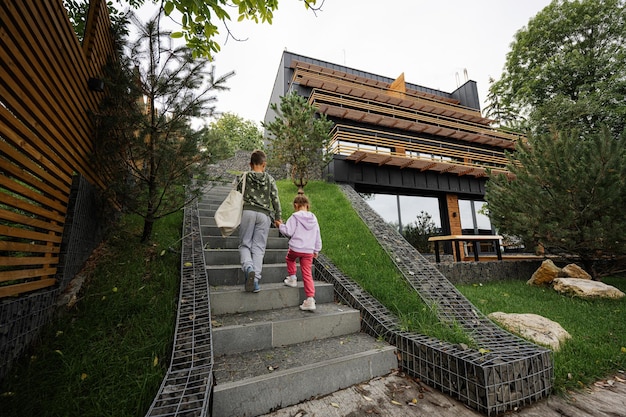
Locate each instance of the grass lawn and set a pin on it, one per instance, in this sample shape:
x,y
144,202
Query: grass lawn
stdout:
x,y
598,327
107,355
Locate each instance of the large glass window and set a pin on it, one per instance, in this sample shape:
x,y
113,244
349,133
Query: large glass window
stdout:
x,y
472,219
412,206
386,205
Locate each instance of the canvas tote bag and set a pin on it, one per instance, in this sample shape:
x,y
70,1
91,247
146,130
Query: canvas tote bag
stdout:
x,y
228,214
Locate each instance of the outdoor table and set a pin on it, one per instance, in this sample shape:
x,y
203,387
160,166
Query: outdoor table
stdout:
x,y
474,239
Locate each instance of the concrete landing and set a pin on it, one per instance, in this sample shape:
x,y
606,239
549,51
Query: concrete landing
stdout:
x,y
398,395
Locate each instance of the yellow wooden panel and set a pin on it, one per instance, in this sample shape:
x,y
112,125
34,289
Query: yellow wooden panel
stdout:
x,y
398,87
26,273
17,289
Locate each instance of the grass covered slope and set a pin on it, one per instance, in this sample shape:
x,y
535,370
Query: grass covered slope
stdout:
x,y
348,242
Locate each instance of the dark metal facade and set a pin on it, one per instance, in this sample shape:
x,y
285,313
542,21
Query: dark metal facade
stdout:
x,y
373,178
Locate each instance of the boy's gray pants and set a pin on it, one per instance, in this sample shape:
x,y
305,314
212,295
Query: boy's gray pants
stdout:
x,y
253,232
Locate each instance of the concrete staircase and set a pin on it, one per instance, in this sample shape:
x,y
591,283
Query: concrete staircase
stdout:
x,y
269,354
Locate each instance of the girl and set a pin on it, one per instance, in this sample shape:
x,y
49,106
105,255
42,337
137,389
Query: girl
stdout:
x,y
305,242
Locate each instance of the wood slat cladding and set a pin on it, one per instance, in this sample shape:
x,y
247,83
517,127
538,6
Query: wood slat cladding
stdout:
x,y
356,108
45,131
404,151
419,122
337,81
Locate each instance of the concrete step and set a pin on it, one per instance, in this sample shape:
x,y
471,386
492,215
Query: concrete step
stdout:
x,y
268,353
256,383
216,194
232,242
208,228
215,191
210,205
266,329
234,299
207,211
231,256
220,275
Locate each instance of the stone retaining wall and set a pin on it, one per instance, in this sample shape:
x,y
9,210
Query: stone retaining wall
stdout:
x,y
481,272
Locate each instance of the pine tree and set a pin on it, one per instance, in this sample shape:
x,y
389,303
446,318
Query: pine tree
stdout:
x,y
568,195
300,137
145,141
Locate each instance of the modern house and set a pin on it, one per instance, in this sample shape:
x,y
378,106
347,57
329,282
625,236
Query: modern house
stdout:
x,y
403,140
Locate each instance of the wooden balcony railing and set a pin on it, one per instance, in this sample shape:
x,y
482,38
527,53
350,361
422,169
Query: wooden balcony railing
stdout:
x,y
382,148
419,145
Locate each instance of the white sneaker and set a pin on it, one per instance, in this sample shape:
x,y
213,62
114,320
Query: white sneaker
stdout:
x,y
308,304
291,282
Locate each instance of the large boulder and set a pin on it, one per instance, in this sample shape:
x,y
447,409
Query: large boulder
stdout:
x,y
585,288
547,272
574,271
534,327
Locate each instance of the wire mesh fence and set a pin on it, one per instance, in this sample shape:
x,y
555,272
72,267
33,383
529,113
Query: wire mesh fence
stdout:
x,y
186,388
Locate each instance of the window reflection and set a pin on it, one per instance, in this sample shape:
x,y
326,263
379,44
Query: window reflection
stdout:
x,y
386,205
473,221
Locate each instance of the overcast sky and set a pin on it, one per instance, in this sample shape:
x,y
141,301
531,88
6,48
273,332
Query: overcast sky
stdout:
x,y
435,44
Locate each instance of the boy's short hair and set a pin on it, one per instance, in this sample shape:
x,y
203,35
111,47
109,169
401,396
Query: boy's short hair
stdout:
x,y
301,200
258,157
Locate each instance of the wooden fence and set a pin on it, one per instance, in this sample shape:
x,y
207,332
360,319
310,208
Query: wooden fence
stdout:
x,y
45,131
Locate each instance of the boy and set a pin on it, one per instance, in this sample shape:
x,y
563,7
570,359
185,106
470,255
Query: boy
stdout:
x,y
259,201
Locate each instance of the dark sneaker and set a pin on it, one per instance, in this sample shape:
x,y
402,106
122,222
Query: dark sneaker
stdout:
x,y
249,280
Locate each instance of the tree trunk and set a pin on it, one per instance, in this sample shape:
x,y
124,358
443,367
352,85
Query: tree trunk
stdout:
x,y
149,218
148,225
300,183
